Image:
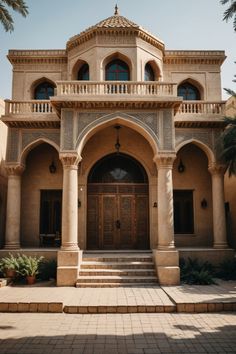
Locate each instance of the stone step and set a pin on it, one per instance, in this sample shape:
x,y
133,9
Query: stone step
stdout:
x,y
120,272
116,265
116,279
114,285
117,259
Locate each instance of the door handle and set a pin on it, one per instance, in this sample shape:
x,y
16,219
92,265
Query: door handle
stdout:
x,y
118,224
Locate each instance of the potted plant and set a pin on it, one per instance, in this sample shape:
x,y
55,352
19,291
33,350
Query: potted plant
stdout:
x,y
9,266
29,267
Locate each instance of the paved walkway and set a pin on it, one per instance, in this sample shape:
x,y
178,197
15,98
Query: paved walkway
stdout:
x,y
184,298
120,333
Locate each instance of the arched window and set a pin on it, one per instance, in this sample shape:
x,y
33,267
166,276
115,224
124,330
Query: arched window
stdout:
x,y
117,70
83,73
188,92
149,73
44,91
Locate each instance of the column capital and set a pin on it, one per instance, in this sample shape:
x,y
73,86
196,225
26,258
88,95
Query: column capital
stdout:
x,y
14,169
217,169
70,159
164,160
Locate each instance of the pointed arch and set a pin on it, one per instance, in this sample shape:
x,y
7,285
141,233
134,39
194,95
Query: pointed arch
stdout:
x,y
116,56
35,143
151,64
39,82
78,67
121,119
195,84
206,149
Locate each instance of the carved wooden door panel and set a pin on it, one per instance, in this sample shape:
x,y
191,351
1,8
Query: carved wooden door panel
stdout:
x,y
141,222
126,215
93,222
108,221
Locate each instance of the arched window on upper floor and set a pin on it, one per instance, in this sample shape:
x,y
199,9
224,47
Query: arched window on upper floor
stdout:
x,y
117,70
149,73
44,91
83,73
189,92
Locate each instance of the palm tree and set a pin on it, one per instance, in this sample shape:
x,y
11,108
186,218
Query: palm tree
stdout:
x,y
229,145
230,12
5,16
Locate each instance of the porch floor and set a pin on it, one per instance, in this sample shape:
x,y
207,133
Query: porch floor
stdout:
x,y
46,297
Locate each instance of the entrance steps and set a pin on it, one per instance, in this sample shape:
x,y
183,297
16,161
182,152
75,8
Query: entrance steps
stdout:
x,y
114,269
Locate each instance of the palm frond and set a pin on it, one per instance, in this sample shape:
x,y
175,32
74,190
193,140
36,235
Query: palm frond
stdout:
x,y
18,6
6,19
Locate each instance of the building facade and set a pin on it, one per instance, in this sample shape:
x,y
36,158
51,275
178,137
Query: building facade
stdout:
x,y
113,144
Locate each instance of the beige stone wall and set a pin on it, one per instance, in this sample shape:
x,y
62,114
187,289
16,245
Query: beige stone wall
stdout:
x,y
230,110
3,177
197,178
37,177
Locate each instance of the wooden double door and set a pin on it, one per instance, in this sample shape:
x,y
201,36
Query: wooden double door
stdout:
x,y
117,216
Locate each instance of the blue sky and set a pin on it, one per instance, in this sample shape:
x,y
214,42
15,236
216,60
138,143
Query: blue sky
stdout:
x,y
181,24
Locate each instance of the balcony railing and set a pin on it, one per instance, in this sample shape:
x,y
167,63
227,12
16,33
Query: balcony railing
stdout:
x,y
192,108
28,107
202,107
129,88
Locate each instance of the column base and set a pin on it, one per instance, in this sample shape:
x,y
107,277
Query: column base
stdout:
x,y
12,246
220,245
167,266
68,266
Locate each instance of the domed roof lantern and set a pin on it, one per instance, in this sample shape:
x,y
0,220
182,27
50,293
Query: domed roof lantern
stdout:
x,y
116,10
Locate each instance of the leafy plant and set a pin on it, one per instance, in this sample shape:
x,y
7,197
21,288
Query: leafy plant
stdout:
x,y
28,265
48,269
227,270
9,263
193,271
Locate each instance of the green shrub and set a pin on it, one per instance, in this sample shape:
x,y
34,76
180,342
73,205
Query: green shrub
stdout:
x,y
227,269
192,271
48,269
9,263
28,265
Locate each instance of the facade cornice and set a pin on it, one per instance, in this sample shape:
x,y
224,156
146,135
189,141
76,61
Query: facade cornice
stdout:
x,y
209,57
125,32
57,56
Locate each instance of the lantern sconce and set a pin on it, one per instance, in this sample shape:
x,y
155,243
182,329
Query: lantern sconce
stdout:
x,y
181,167
155,205
204,203
52,167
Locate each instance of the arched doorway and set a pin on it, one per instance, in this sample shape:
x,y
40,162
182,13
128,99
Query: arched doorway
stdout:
x,y
117,215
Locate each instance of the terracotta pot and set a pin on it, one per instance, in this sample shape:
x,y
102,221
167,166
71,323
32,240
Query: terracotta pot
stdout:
x,y
30,279
10,273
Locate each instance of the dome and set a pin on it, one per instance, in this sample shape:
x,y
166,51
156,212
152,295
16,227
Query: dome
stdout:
x,y
115,22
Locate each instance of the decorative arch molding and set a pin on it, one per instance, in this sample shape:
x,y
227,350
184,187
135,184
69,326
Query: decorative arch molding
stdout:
x,y
156,69
33,144
38,82
137,123
76,67
193,81
113,56
206,149
132,154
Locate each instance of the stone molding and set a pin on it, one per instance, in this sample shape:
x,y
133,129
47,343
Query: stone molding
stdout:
x,y
70,159
14,169
217,169
164,161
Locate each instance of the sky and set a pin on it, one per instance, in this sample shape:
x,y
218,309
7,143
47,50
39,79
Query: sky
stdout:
x,y
181,24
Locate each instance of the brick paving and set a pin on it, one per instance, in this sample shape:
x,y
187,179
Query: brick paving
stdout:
x,y
120,333
48,298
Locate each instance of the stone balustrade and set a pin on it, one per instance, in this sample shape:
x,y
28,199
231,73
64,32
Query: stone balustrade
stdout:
x,y
202,107
28,107
44,106
74,88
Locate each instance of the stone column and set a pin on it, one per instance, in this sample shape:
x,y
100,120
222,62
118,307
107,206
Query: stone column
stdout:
x,y
69,257
12,240
165,202
218,201
166,256
70,202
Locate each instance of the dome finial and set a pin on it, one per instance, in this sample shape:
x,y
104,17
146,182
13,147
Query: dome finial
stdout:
x,y
116,10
